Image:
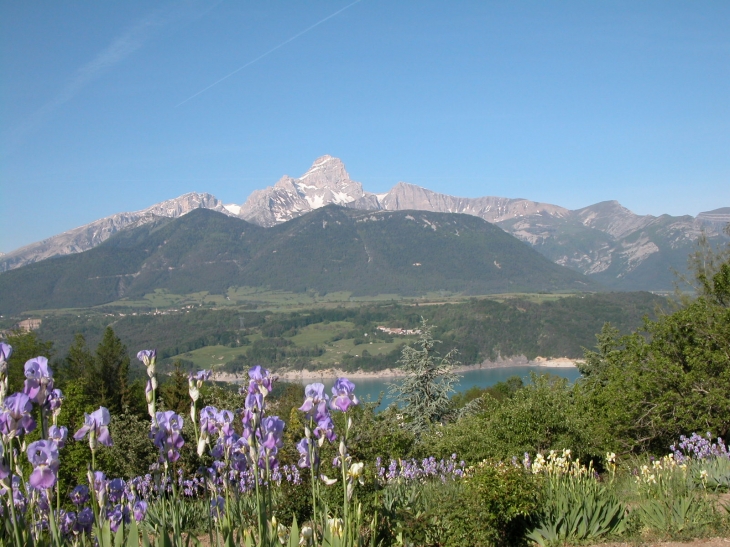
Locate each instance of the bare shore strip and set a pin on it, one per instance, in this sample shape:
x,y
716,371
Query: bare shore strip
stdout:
x,y
331,373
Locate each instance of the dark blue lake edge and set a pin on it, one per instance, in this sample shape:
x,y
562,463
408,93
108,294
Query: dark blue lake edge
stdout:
x,y
369,389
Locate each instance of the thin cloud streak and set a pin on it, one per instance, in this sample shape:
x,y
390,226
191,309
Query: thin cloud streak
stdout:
x,y
272,50
120,48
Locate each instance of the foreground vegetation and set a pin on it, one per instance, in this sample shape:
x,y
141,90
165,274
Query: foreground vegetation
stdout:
x,y
636,450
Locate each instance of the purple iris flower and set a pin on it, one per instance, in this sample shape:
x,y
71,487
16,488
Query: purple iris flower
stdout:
x,y
58,435
254,401
79,495
315,403
139,510
116,490
119,514
208,420
217,507
147,356
4,468
15,417
99,482
304,458
260,381
96,425
6,350
43,455
343,396
239,455
84,521
67,521
272,433
54,400
201,375
167,435
325,428
39,379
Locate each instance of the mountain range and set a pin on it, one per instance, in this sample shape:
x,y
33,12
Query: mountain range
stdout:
x,y
607,242
330,249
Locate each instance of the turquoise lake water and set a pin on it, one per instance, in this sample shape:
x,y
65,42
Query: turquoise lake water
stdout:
x,y
369,389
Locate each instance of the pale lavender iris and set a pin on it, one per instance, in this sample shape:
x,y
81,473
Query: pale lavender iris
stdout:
x,y
99,483
303,447
167,435
15,418
343,396
325,428
315,403
272,432
260,381
43,456
39,379
58,435
139,510
118,514
147,356
254,401
96,425
201,376
208,420
214,421
6,350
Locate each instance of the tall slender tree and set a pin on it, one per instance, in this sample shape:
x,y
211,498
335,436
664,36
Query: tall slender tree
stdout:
x,y
112,367
424,393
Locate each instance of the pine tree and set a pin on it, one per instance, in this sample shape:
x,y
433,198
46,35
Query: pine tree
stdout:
x,y
79,362
424,393
112,366
175,392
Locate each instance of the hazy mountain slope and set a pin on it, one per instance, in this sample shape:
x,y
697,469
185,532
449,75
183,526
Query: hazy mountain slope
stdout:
x,y
330,249
90,235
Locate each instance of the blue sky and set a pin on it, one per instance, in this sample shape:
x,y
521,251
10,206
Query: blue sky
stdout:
x,y
569,103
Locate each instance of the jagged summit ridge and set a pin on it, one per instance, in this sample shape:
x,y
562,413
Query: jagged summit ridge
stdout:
x,y
619,248
326,182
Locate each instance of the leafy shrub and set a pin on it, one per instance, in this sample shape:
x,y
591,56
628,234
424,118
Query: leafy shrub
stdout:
x,y
540,416
494,505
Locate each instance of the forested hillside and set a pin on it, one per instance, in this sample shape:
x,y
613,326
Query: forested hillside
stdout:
x,y
330,249
480,329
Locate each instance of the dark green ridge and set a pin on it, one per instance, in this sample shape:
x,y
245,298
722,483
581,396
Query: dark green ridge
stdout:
x,y
330,249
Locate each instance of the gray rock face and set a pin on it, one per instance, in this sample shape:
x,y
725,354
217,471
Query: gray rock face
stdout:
x,y
89,236
718,218
326,182
404,196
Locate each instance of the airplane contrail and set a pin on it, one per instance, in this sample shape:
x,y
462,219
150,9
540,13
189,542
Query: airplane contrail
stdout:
x,y
268,52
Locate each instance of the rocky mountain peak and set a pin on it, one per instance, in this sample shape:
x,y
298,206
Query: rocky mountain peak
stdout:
x,y
326,172
325,182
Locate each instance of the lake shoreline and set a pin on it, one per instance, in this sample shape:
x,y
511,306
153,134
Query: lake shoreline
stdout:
x,y
332,373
